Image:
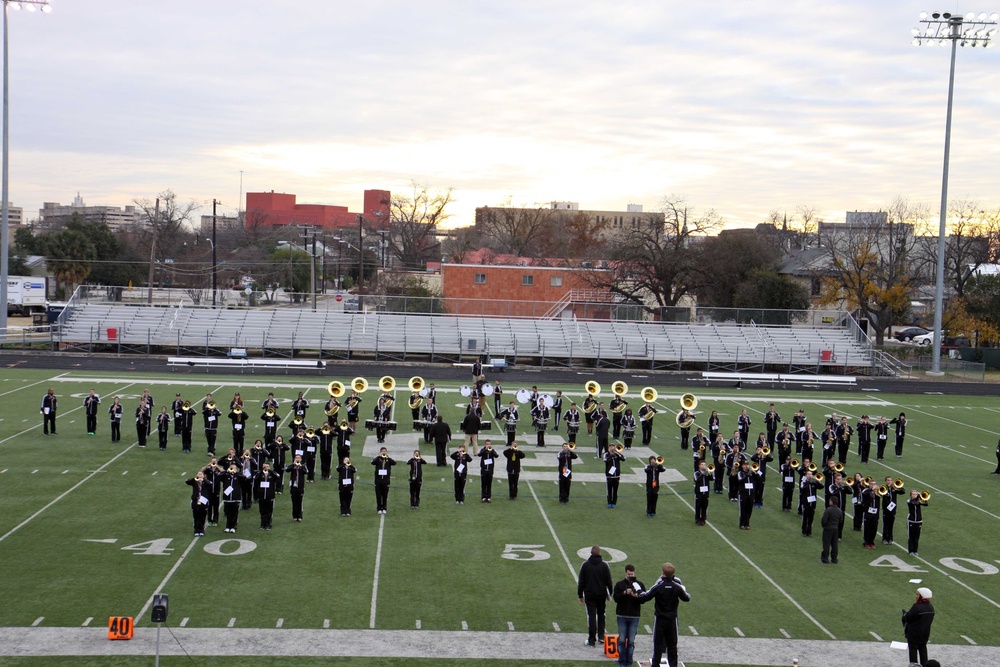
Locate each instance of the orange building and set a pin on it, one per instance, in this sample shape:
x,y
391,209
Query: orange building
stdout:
x,y
278,208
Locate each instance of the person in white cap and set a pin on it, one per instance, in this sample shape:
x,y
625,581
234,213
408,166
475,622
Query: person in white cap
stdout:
x,y
917,626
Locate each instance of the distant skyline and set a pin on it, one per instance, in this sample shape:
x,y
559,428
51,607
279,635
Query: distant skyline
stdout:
x,y
744,108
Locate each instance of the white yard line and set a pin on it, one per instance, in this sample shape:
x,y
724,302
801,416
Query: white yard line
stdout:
x,y
166,579
35,384
572,572
378,563
60,412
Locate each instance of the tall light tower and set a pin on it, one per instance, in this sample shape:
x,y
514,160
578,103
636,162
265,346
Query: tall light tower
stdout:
x,y
29,5
940,29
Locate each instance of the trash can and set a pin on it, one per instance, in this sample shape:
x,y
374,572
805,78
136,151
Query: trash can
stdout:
x,y
112,334
824,355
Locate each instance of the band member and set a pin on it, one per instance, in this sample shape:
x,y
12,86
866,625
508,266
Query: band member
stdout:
x,y
628,428
331,409
864,429
917,626
265,484
199,502
115,411
343,433
653,470
429,414
353,408
783,441
415,403
714,426
787,473
589,408
477,370
870,504
441,435
497,397
270,403
617,407
276,452
858,486
416,467
299,407
311,444
210,414
900,423
565,467
248,470
461,464
147,398
259,454
997,471
760,481
557,404
572,419
211,489
699,447
683,417
48,412
881,437
326,438
346,476
839,490
471,425
297,472
540,419
808,447
163,427
646,414
733,460
771,422
889,505
844,433
601,426
829,449
383,477
799,428
270,419
746,486
239,419
914,521
382,414
176,408
801,470
807,496
142,419
702,478
232,497
487,457
90,403
743,423
509,416
668,591
514,458
612,474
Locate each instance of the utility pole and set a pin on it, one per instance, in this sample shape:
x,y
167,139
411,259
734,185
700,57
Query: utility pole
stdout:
x,y
361,261
307,233
215,276
152,250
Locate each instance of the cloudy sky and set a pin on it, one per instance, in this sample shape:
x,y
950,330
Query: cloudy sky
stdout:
x,y
743,107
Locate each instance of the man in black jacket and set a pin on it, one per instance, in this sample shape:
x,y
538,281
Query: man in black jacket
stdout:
x,y
441,434
832,516
667,591
593,588
628,610
917,626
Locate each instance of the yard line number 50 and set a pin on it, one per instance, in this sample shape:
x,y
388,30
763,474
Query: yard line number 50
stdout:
x,y
526,552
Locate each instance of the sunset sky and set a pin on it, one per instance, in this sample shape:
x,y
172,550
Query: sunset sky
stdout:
x,y
743,107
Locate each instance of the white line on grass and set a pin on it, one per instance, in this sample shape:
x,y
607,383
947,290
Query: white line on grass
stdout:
x,y
149,602
87,622
555,626
72,410
378,563
418,624
785,633
35,384
968,639
465,625
510,625
65,493
693,631
757,567
739,632
552,530
38,621
648,629
877,638
184,621
232,622
977,495
280,623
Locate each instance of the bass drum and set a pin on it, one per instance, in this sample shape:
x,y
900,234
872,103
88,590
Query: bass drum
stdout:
x,y
487,389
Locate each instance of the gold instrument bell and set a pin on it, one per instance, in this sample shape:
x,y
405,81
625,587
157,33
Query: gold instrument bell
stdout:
x,y
310,432
925,496
818,477
210,405
618,387
688,401
387,383
897,483
326,429
359,384
186,406
659,460
416,383
269,412
336,388
710,467
648,394
592,388
237,410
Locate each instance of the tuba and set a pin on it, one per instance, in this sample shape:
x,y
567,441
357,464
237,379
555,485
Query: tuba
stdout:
x,y
359,384
416,402
416,383
688,401
336,388
619,388
387,383
684,423
592,388
332,411
648,394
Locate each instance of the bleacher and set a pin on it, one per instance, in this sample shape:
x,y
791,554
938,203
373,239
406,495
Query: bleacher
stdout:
x,y
286,332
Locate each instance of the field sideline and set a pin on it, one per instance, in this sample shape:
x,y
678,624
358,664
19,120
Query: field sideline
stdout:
x,y
93,529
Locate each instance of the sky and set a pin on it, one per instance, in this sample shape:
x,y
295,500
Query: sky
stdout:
x,y
740,107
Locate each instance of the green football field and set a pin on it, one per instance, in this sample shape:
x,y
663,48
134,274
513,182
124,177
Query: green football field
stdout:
x,y
91,529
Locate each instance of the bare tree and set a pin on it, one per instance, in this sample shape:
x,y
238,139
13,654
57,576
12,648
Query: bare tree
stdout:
x,y
973,240
413,225
519,231
162,226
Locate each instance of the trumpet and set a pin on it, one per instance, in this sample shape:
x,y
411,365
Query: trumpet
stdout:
x,y
325,430
710,467
818,477
416,383
648,394
186,406
756,468
210,405
310,432
659,460
387,383
336,389
882,490
359,384
619,447
812,467
267,413
925,496
701,450
867,480
688,401
765,450
897,483
838,467
849,481
794,463
619,388
592,388
572,446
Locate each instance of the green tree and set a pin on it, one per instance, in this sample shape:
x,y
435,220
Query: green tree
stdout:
x,y
288,268
116,263
70,253
725,261
764,288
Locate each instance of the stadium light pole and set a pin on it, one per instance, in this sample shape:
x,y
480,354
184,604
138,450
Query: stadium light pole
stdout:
x,y
29,5
940,29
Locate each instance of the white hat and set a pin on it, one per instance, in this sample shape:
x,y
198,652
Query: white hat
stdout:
x,y
925,593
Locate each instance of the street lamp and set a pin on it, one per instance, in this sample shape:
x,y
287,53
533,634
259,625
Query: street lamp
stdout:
x,y
939,29
29,5
214,264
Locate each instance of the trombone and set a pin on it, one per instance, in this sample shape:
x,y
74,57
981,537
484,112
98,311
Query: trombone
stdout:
x,y
794,463
849,482
765,450
882,491
925,497
619,447
897,483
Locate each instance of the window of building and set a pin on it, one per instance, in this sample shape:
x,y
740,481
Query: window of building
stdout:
x,y
528,280
556,281
479,279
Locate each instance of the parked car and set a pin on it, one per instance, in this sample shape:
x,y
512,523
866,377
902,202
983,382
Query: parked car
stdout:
x,y
909,333
924,339
955,342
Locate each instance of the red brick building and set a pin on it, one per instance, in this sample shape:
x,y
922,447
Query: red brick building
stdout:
x,y
278,208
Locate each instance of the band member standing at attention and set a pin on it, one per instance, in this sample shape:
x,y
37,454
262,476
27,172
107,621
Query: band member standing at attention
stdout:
x,y
799,428
914,521
90,404
917,626
714,426
601,426
772,420
211,489
807,500
509,416
497,397
461,465
870,504
761,459
210,414
487,459
653,470
844,433
276,452
628,611
471,425
683,417
589,408
353,405
743,422
733,460
881,437
628,428
416,468
557,402
142,419
889,505
565,467
326,438
540,418
612,474
232,497
441,435
258,454
746,489
311,444
477,370
837,488
702,491
864,429
265,484
572,419
997,471
668,591
239,418
346,476
48,411
299,407
832,517
617,407
594,588
900,423
248,469
115,411
147,399
163,427
297,484
514,458
429,414
176,407
415,403
383,477
646,414
199,502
